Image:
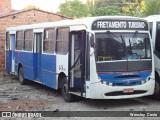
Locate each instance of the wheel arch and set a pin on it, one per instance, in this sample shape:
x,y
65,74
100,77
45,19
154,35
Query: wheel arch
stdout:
x,y
61,75
157,76
19,66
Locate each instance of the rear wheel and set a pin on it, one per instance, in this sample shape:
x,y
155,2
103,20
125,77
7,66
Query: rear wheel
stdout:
x,y
22,80
68,97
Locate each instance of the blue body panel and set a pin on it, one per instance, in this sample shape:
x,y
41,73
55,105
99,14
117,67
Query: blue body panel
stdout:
x,y
26,59
39,67
49,70
120,79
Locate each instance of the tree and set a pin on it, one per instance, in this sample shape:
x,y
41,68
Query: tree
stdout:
x,y
104,7
108,10
116,7
152,7
74,9
133,7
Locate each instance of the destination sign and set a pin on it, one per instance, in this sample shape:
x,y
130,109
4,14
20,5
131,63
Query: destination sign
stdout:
x,y
119,25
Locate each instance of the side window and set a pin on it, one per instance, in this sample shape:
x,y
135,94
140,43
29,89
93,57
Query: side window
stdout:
x,y
157,44
49,41
150,27
7,40
19,40
62,40
28,38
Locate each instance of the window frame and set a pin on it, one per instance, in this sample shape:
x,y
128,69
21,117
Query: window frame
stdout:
x,y
62,39
156,38
22,39
28,40
151,28
7,36
53,39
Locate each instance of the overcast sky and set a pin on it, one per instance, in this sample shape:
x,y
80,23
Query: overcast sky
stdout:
x,y
48,5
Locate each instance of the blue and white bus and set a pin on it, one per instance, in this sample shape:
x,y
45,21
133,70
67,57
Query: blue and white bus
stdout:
x,y
98,57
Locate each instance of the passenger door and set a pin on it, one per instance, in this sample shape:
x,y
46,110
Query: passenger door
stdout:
x,y
78,62
37,55
12,53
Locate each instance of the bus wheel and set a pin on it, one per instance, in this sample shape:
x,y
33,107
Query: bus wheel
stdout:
x,y
157,90
68,97
21,76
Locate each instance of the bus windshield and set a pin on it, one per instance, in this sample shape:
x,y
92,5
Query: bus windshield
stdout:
x,y
122,46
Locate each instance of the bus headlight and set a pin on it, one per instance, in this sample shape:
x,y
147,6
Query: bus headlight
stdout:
x,y
143,81
148,78
110,84
107,83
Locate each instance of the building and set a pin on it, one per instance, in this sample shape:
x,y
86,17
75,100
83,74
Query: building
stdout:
x,y
10,18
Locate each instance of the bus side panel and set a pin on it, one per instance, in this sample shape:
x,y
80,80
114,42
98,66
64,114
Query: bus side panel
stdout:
x,y
8,60
49,70
26,59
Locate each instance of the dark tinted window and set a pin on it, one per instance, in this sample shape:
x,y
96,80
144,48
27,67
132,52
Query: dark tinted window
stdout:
x,y
19,40
112,47
7,40
157,44
62,40
28,40
151,28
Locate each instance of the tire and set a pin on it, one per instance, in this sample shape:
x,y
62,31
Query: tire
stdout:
x,y
22,80
68,97
157,90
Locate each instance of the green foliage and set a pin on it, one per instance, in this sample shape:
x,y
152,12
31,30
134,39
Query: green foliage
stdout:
x,y
103,3
104,7
133,7
108,10
74,9
152,7
116,7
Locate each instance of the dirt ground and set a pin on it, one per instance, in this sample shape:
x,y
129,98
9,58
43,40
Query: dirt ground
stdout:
x,y
37,97
16,97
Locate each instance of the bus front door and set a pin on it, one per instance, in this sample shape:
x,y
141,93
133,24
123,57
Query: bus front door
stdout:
x,y
77,64
38,52
12,47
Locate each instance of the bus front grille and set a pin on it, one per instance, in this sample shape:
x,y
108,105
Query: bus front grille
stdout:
x,y
121,93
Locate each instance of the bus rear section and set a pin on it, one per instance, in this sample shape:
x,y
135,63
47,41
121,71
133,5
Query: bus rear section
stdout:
x,y
122,66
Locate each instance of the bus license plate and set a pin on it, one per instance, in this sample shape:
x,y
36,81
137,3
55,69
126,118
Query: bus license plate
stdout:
x,y
130,90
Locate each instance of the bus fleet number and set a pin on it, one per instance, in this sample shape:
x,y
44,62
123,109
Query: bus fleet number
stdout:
x,y
61,67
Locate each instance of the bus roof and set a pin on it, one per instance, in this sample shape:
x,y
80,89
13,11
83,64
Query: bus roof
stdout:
x,y
82,21
153,18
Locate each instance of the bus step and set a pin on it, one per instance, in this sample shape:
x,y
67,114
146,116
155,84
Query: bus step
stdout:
x,y
13,73
75,93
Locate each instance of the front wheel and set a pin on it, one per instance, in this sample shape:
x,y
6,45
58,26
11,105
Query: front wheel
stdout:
x,y
157,90
68,97
22,80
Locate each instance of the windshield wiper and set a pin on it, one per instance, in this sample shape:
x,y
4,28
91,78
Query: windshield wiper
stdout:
x,y
112,35
125,49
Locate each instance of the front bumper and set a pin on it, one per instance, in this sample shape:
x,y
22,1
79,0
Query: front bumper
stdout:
x,y
103,91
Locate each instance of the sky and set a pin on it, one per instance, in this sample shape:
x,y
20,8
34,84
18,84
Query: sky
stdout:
x,y
47,5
